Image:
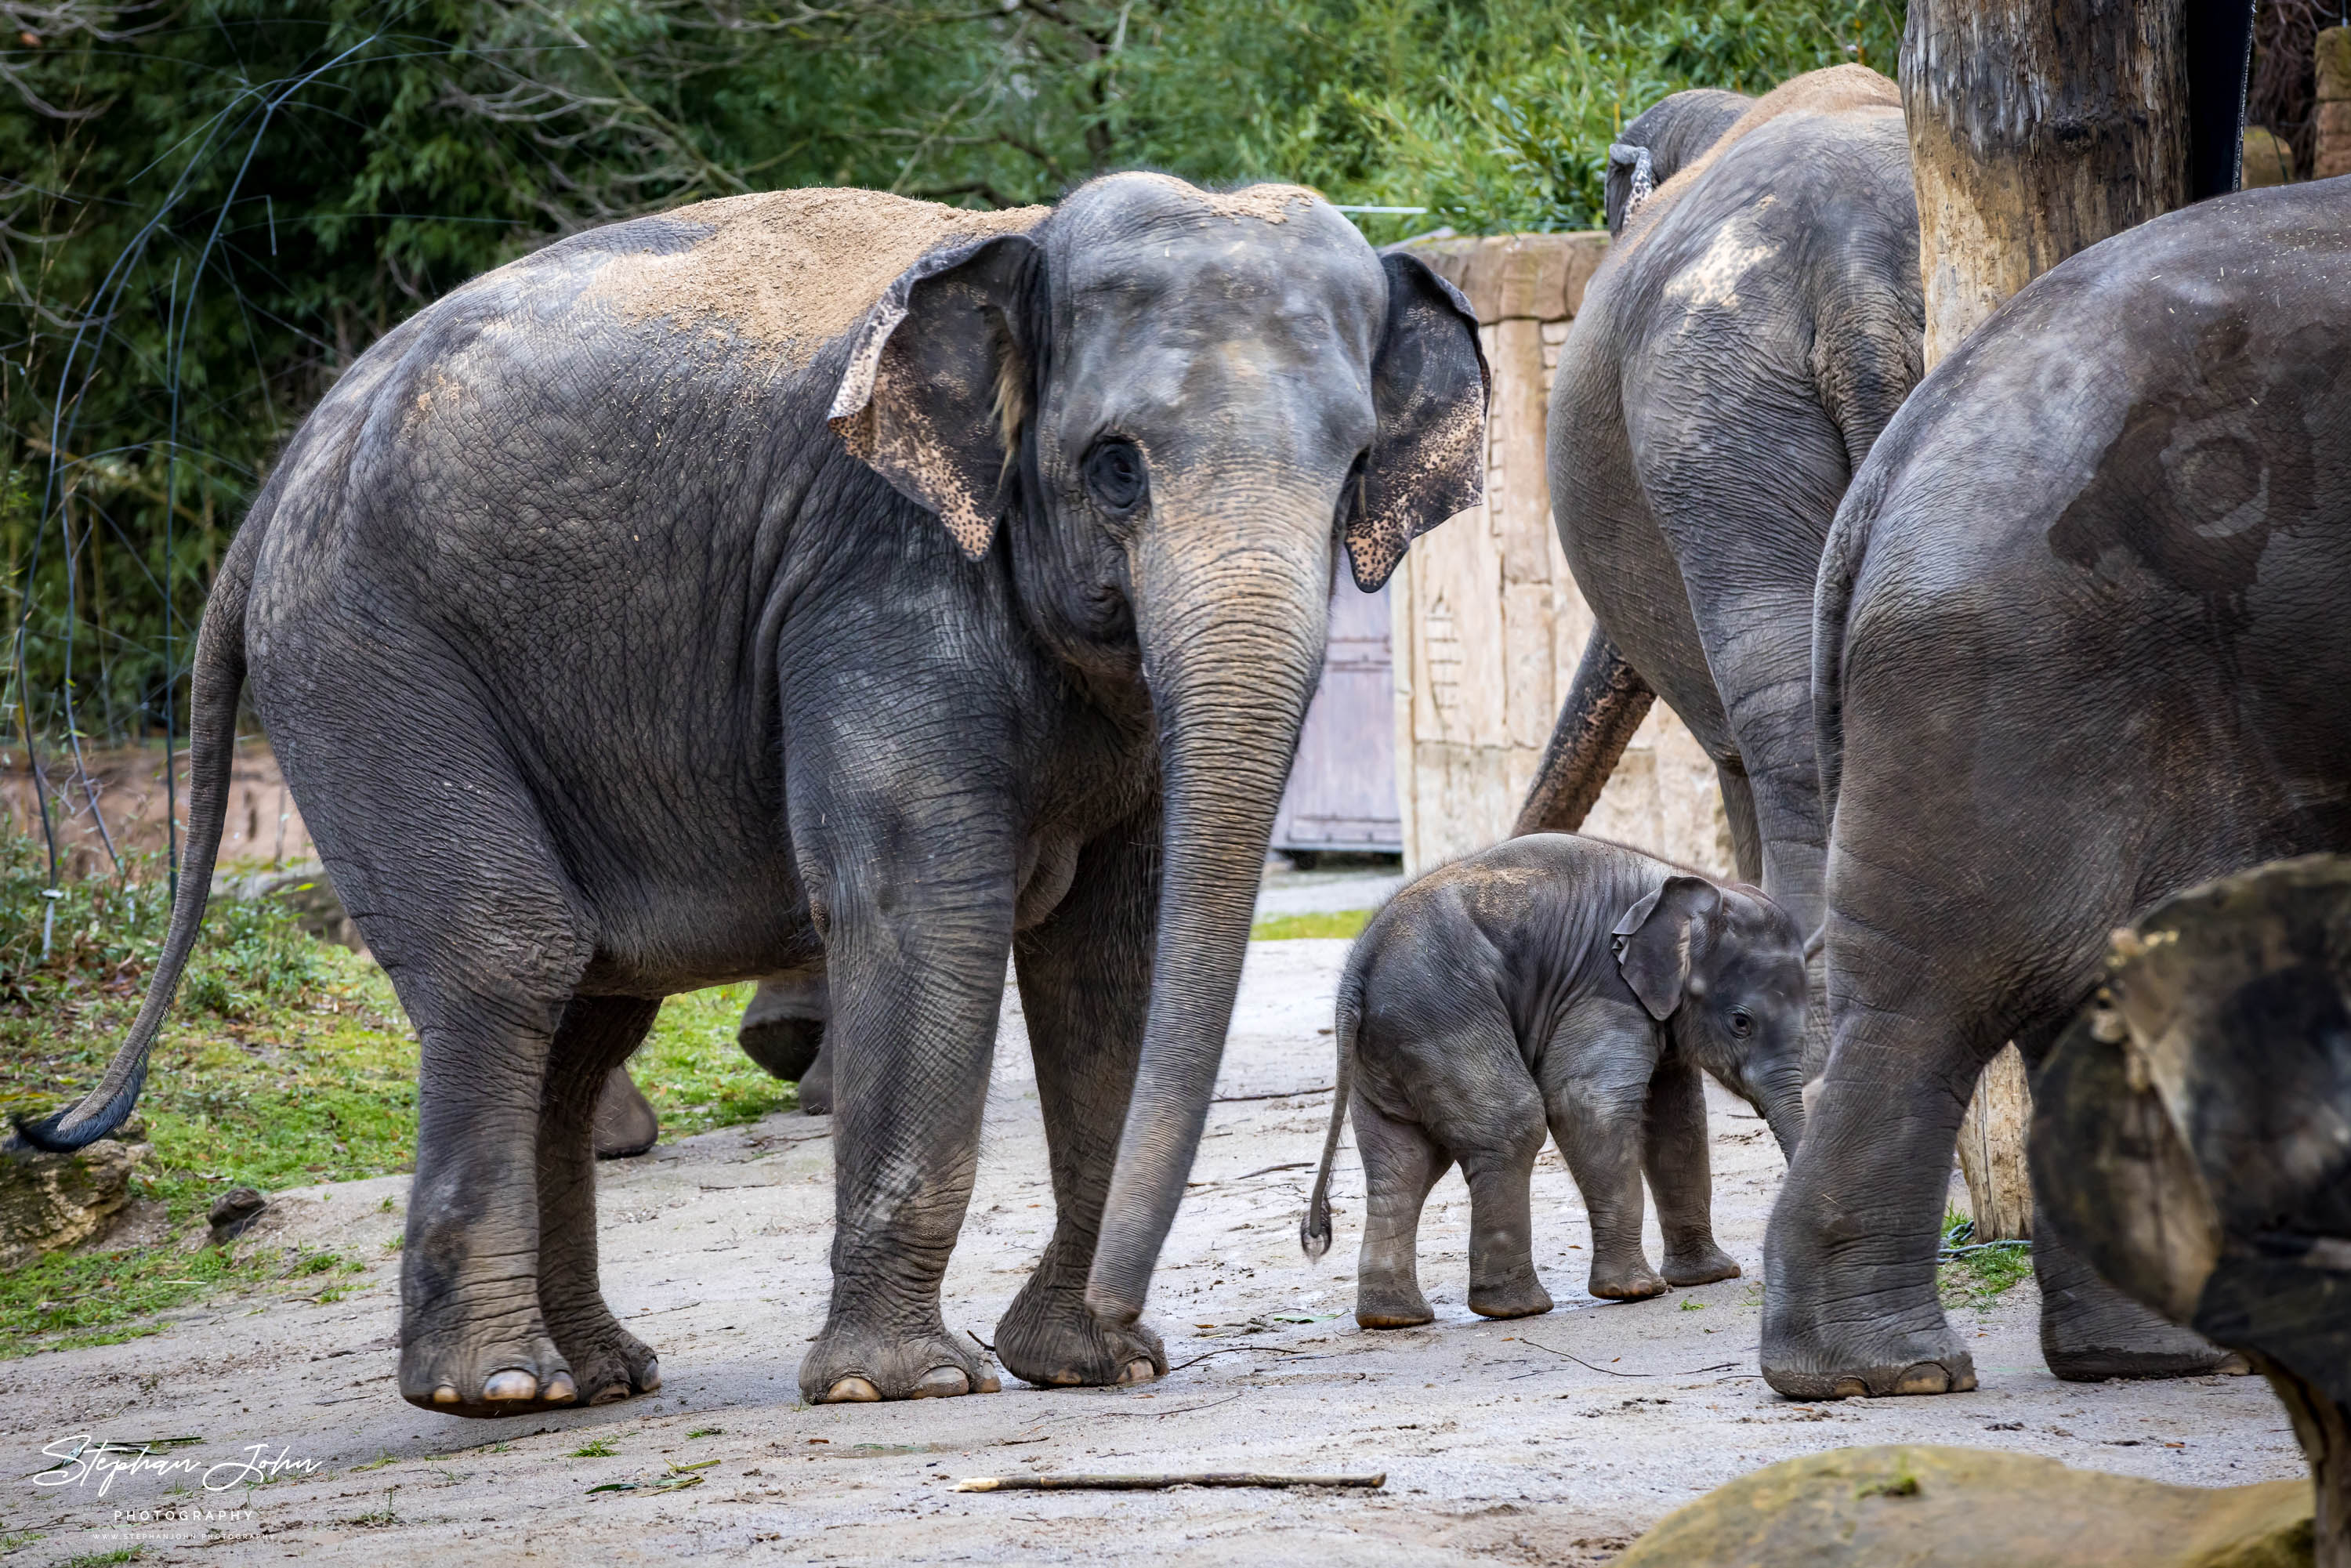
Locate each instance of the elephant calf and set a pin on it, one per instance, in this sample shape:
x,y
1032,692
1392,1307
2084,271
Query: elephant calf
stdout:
x,y
1566,981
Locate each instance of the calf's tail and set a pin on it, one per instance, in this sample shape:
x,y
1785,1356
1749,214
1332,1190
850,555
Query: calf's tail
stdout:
x,y
1314,1230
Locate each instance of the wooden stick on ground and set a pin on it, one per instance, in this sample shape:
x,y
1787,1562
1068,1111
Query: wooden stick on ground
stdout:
x,y
1161,1482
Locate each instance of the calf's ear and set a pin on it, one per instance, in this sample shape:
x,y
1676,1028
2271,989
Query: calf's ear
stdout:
x,y
937,383
1429,387
1654,938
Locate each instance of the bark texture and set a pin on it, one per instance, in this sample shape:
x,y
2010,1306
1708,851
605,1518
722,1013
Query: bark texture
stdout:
x,y
1991,1150
2035,129
2331,147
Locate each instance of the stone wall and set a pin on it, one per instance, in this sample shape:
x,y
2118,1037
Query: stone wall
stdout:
x,y
1487,624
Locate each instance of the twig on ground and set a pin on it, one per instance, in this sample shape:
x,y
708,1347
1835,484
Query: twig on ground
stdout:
x,y
1292,1166
1161,1483
1285,1094
1228,1350
1612,1371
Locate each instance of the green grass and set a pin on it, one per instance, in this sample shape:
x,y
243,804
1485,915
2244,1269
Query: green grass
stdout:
x,y
1283,927
286,1062
1977,1279
594,1448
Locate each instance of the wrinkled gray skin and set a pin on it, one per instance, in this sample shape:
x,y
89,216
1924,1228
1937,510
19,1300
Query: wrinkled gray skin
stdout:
x,y
1565,983
2080,645
604,670
1748,336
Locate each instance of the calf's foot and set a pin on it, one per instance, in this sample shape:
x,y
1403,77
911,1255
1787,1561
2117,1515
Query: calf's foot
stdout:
x,y
1624,1280
1518,1295
853,1363
1050,1339
1701,1265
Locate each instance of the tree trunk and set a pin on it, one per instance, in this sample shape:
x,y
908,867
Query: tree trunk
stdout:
x,y
2331,152
1991,1150
2035,129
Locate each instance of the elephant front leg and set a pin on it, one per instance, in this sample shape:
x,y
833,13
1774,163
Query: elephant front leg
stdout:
x,y
1085,987
593,1039
915,991
1674,1154
1600,1133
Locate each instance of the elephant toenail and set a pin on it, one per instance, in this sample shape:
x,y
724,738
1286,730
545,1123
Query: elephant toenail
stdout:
x,y
1849,1388
1926,1377
649,1379
990,1384
2231,1365
610,1394
561,1390
446,1394
509,1387
1137,1372
942,1383
852,1391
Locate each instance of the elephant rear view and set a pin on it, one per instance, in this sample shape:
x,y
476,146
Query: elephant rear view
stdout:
x,y
1755,324
827,584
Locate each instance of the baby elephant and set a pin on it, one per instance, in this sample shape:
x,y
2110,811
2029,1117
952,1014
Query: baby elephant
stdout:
x,y
1562,981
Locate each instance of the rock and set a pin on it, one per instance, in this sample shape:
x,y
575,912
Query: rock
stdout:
x,y
1928,1507
53,1201
235,1212
306,889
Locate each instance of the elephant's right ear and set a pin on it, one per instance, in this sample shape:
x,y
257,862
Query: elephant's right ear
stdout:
x,y
1429,387
936,384
1654,938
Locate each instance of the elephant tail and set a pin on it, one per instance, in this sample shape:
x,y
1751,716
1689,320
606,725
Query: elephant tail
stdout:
x,y
1314,1230
1604,707
214,683
1831,604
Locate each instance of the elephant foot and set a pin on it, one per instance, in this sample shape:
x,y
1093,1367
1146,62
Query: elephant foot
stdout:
x,y
1515,1298
625,1124
1050,1339
459,1369
1632,1281
816,1087
1699,1266
2091,1331
1892,1363
1385,1302
849,1365
2083,1347
608,1361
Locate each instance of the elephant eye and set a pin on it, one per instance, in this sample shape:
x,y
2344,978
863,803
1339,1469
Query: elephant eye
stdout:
x,y
1742,1022
1115,474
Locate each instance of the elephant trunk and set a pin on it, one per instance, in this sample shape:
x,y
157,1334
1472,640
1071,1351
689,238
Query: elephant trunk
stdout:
x,y
1230,619
1783,1111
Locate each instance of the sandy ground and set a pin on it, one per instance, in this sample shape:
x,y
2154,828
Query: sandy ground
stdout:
x,y
1547,1440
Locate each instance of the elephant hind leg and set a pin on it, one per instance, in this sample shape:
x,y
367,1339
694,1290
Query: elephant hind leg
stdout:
x,y
2091,1331
1400,1164
594,1037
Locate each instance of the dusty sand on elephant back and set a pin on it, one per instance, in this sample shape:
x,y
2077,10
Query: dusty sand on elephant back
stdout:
x,y
1497,1445
786,271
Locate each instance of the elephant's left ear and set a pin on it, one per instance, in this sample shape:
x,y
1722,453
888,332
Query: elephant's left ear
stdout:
x,y
1429,386
921,400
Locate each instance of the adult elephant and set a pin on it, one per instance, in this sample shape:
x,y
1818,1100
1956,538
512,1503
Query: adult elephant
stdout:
x,y
2081,643
820,578
1754,325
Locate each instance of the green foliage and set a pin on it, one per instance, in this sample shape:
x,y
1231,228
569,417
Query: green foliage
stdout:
x,y
1347,923
211,207
693,1074
1973,1273
69,1299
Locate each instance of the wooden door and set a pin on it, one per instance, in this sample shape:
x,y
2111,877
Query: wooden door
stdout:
x,y
1343,793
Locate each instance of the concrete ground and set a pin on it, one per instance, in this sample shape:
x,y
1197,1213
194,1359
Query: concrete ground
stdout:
x,y
1546,1440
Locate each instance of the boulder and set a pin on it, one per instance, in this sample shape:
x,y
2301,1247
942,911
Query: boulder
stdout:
x,y
306,890
1927,1507
52,1201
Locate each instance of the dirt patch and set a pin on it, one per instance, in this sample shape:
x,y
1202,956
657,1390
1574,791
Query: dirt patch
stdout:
x,y
783,272
1549,1440
1271,203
